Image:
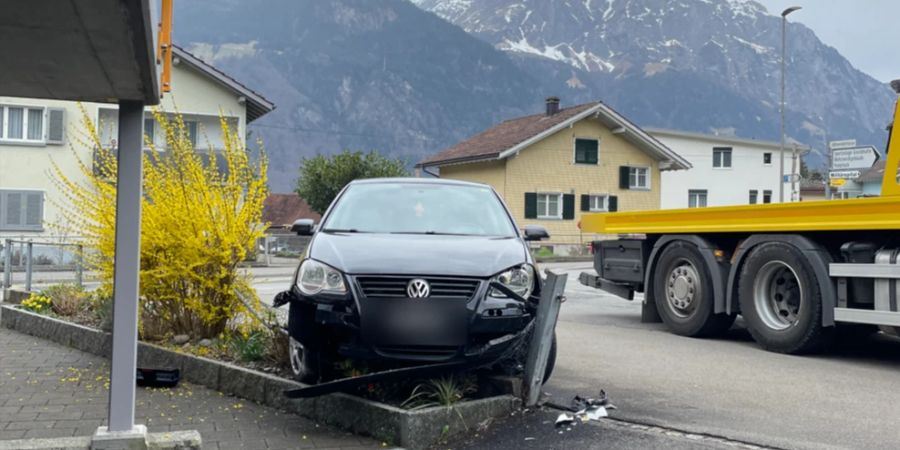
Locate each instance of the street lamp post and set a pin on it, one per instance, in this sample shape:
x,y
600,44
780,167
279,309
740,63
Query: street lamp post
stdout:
x,y
784,15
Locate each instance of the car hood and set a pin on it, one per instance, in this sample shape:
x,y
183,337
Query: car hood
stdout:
x,y
405,254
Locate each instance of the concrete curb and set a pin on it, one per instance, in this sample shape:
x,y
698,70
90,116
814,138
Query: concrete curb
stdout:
x,y
169,440
409,429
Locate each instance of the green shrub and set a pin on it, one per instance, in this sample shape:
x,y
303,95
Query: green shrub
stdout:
x,y
250,347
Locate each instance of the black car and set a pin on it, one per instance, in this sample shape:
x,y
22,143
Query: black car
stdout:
x,y
409,271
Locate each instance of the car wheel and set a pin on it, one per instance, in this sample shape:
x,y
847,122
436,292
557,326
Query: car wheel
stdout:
x,y
304,362
683,293
781,301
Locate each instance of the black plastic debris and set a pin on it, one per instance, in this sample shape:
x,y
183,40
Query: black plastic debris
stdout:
x,y
158,378
583,409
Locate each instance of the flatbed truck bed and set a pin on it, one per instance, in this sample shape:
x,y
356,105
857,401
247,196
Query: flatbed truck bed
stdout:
x,y
794,271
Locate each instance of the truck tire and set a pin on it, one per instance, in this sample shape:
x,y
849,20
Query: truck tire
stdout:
x,y
781,301
683,293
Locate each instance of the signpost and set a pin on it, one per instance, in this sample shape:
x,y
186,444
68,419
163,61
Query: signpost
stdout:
x,y
838,182
854,158
846,143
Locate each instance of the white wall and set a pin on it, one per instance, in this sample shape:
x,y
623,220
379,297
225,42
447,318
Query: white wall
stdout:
x,y
724,186
30,167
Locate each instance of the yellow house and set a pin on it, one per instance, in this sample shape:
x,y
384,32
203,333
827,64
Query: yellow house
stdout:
x,y
550,168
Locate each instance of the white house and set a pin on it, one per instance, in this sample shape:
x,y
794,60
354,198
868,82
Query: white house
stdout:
x,y
36,133
726,170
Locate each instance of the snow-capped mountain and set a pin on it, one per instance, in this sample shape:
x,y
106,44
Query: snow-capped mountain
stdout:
x,y
623,50
390,76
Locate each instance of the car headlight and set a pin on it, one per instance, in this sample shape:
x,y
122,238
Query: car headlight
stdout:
x,y
519,279
314,278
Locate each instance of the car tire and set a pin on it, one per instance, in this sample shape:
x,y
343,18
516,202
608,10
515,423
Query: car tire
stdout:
x,y
781,301
683,293
304,362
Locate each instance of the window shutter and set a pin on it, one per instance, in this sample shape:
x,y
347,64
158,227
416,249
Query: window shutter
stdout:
x,y
34,210
568,212
613,203
623,177
13,207
585,202
530,205
56,126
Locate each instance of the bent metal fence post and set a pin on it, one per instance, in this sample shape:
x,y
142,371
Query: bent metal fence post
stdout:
x,y
542,336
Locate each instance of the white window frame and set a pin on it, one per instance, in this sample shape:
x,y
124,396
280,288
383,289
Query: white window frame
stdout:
x,y
633,173
698,193
4,120
722,151
598,202
771,158
575,150
543,214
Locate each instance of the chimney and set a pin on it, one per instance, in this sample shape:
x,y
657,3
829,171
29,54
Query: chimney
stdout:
x,y
552,105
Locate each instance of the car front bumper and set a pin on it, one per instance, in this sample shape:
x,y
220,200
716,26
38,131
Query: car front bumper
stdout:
x,y
412,330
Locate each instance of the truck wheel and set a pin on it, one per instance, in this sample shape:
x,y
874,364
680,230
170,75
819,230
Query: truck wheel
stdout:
x,y
683,293
780,299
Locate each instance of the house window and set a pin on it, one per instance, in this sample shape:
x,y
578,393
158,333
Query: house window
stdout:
x,y
20,123
754,194
767,196
697,198
722,157
149,129
191,126
767,159
638,178
21,210
549,206
598,203
586,151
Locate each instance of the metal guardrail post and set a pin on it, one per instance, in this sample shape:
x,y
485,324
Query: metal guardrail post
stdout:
x,y
29,262
7,264
79,265
542,335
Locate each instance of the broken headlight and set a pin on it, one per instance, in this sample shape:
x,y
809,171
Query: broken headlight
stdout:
x,y
314,278
519,279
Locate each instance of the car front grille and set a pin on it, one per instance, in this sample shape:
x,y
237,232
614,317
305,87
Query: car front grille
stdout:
x,y
395,287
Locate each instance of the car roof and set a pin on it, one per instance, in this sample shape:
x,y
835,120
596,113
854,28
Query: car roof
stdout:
x,y
412,180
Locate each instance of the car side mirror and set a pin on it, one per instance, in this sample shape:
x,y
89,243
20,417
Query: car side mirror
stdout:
x,y
303,227
536,233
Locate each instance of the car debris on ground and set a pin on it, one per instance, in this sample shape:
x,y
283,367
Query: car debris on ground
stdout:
x,y
583,409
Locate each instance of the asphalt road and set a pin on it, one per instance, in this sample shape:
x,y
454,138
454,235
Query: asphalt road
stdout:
x,y
848,397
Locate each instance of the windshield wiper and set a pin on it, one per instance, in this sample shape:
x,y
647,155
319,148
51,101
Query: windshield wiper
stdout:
x,y
342,230
432,232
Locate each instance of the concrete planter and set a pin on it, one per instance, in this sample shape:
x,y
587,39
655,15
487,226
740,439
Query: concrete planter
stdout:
x,y
409,429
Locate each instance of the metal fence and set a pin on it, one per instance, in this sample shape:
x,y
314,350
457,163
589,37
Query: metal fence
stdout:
x,y
22,259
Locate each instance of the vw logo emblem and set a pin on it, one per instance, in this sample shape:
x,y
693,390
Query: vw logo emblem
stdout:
x,y
418,288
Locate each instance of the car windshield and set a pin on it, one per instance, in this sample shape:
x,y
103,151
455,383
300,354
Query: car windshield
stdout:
x,y
419,208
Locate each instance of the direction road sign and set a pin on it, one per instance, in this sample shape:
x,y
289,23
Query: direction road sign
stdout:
x,y
854,158
846,174
846,143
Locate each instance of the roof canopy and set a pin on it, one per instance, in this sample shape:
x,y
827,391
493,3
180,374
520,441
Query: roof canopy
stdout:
x,y
92,51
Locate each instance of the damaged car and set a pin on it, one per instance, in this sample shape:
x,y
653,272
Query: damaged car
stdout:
x,y
409,271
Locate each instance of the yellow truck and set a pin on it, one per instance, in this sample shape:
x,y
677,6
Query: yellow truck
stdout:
x,y
793,270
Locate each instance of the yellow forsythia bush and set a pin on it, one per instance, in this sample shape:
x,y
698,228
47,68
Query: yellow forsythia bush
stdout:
x,y
197,224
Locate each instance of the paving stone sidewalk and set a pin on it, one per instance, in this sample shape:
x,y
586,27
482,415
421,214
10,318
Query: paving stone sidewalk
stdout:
x,y
47,390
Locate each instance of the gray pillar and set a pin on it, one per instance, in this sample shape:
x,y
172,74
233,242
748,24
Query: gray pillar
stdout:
x,y
129,183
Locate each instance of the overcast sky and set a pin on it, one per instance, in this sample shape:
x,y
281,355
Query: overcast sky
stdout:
x,y
866,32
